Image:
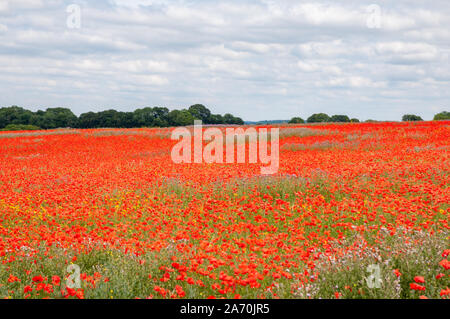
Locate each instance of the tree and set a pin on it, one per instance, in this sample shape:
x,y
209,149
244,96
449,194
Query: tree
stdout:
x,y
442,116
58,117
216,119
230,119
147,117
89,120
318,118
339,118
14,115
411,117
180,118
161,115
200,112
109,118
296,120
126,120
354,120
238,121
144,117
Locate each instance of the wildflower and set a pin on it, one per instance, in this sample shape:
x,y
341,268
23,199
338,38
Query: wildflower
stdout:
x,y
27,289
445,263
79,294
13,279
180,291
56,280
414,286
439,276
38,278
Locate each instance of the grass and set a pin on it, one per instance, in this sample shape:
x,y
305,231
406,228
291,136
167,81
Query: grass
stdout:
x,y
411,254
111,273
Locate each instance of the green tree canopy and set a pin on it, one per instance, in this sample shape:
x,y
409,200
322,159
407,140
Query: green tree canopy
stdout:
x,y
318,118
89,120
58,117
339,118
216,119
230,119
442,116
200,112
296,120
14,115
411,117
180,118
144,117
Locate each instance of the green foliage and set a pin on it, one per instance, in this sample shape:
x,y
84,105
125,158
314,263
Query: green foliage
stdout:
x,y
14,115
89,120
442,116
296,120
200,112
58,117
230,119
20,127
411,117
150,117
339,118
354,120
216,119
318,118
144,117
180,118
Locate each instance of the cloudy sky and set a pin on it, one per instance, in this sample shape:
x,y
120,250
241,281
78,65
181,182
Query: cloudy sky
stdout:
x,y
257,59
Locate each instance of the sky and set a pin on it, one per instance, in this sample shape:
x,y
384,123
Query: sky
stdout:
x,y
256,59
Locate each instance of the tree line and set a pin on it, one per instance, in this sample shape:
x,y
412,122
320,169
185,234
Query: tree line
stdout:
x,y
323,117
15,117
18,118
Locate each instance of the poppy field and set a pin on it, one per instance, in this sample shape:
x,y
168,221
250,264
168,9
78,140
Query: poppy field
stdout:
x,y
357,210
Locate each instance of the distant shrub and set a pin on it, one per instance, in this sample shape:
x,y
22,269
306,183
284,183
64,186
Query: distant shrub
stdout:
x,y
318,118
20,127
340,118
442,116
296,120
354,120
411,117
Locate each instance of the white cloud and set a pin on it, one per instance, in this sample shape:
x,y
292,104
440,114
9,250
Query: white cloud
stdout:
x,y
255,58
399,52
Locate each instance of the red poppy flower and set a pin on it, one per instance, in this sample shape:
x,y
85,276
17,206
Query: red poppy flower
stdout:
x,y
38,278
56,280
419,279
439,276
415,286
445,263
